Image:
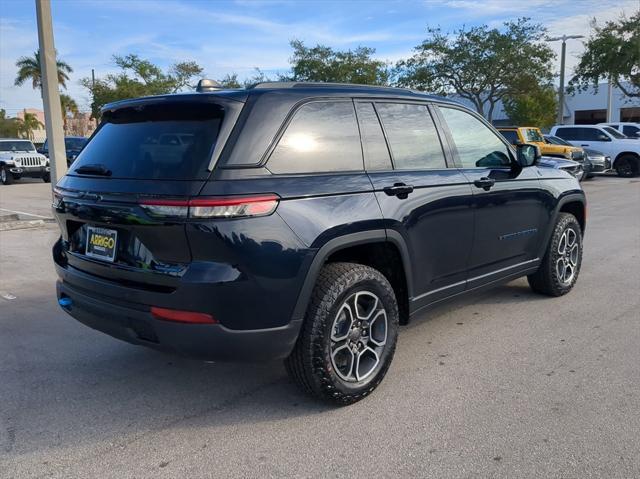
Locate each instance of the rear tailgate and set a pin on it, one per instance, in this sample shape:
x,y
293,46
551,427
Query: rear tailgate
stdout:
x,y
148,252
158,149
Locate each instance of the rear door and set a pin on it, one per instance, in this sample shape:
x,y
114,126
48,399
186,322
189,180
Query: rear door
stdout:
x,y
422,199
508,202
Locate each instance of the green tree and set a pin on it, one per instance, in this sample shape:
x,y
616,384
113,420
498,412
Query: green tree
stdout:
x,y
27,124
612,51
323,64
69,108
29,69
8,126
482,65
536,107
139,77
230,81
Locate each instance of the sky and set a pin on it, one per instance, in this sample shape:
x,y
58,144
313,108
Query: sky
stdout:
x,y
240,35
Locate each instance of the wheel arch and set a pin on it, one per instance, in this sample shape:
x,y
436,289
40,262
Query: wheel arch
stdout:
x,y
376,248
574,203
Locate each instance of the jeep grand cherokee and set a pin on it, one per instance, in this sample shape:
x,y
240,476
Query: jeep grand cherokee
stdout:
x,y
302,222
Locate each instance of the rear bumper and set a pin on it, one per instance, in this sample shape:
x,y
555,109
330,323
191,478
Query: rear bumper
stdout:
x,y
133,322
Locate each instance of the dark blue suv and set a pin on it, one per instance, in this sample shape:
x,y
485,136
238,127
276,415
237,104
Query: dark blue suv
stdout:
x,y
302,222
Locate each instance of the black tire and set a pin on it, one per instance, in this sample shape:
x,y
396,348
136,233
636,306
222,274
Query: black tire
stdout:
x,y
5,175
46,178
552,278
310,364
628,166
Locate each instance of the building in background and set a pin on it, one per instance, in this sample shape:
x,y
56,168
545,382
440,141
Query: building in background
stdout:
x,y
79,125
40,134
582,108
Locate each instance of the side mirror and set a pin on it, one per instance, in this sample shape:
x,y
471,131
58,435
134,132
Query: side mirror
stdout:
x,y
528,155
603,137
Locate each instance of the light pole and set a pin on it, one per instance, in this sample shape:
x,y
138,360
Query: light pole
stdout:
x,y
50,93
564,39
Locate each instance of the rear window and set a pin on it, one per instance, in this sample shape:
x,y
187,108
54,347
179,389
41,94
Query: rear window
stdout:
x,y
160,141
511,136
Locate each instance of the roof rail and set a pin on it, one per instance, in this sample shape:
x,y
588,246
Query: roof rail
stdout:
x,y
293,84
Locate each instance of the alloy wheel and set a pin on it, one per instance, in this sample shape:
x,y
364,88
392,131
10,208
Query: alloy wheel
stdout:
x,y
568,256
358,336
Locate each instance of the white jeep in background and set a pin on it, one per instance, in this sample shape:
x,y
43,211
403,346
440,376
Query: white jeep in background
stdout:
x,y
624,152
19,159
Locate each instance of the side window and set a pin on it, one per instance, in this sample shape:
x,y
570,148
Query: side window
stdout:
x,y
412,136
630,130
374,146
567,133
477,145
321,137
589,134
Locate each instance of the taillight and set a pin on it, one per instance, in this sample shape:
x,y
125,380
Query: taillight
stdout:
x,y
229,207
178,316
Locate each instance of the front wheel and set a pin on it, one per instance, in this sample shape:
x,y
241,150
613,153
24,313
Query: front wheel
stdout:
x,y
46,177
349,334
5,175
561,264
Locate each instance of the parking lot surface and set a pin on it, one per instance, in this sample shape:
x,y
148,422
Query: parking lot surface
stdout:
x,y
502,384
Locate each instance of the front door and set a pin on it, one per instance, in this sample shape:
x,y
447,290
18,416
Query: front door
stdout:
x,y
508,200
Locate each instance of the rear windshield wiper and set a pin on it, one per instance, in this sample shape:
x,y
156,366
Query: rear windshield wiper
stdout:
x,y
93,170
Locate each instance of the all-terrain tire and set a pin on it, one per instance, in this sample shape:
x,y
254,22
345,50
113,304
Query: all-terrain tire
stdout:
x,y
310,364
561,264
46,177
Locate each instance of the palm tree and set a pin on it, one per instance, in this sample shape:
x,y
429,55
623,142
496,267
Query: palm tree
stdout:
x,y
69,108
29,123
29,69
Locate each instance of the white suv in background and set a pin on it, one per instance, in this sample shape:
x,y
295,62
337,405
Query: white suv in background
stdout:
x,y
624,152
632,130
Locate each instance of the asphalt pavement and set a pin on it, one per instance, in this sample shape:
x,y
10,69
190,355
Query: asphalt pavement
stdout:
x,y
502,384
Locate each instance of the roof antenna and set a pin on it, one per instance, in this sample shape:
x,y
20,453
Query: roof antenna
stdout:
x,y
206,85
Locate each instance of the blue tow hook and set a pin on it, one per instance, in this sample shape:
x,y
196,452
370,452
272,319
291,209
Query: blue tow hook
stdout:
x,y
65,302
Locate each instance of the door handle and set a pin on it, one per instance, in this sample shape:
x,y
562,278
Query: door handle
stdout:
x,y
585,144
400,190
485,183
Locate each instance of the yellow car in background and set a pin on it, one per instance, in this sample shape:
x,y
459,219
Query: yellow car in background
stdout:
x,y
528,134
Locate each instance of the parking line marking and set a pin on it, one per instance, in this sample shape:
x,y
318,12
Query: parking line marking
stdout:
x,y
27,214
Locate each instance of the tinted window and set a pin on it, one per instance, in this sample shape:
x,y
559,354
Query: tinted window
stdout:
x,y
613,132
73,143
511,136
556,140
412,136
579,134
477,145
131,142
631,131
322,136
374,146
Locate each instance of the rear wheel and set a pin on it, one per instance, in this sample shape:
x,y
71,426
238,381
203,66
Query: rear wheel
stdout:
x,y
349,334
560,266
5,175
627,166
